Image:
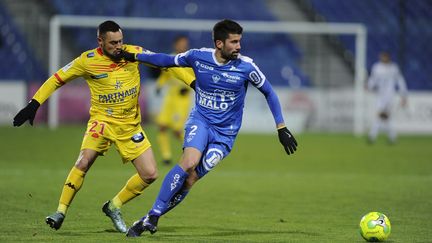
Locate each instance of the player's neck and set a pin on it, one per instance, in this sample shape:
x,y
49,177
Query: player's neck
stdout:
x,y
219,58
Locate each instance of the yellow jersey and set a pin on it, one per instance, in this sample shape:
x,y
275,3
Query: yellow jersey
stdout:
x,y
114,86
173,78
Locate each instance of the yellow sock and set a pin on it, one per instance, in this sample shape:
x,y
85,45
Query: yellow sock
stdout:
x,y
164,145
72,185
133,188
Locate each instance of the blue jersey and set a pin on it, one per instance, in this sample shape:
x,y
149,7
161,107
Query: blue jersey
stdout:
x,y
220,88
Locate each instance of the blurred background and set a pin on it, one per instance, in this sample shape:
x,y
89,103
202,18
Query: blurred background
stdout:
x,y
313,74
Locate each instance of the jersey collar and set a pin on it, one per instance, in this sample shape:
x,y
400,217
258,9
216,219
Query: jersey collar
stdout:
x,y
216,61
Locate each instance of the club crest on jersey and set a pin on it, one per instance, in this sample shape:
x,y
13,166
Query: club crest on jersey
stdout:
x,y
212,158
139,137
215,78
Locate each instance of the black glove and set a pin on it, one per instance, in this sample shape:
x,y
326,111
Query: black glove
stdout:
x,y
287,140
158,91
27,113
127,56
192,84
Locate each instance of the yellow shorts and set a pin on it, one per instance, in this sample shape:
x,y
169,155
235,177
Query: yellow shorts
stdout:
x,y
175,111
129,140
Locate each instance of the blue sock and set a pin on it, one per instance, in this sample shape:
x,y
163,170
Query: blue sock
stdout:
x,y
176,200
172,183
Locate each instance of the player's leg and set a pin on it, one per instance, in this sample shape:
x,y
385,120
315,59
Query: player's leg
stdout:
x,y
71,186
164,120
196,137
164,144
388,126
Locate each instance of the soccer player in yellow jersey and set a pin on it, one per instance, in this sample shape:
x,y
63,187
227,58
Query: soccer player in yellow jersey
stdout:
x,y
114,119
176,103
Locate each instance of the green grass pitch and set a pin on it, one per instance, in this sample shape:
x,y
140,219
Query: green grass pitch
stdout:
x,y
257,194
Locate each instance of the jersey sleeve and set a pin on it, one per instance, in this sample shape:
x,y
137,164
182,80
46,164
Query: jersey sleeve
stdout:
x,y
185,59
256,77
69,72
372,81
186,75
401,82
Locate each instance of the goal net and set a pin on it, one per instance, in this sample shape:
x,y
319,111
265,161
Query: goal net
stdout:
x,y
320,86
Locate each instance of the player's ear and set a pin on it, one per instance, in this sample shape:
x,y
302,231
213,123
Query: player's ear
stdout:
x,y
99,40
219,44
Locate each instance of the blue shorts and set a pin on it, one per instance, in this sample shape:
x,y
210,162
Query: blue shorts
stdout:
x,y
213,145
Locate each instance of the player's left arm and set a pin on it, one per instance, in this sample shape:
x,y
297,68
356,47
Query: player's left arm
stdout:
x,y
402,87
285,136
186,75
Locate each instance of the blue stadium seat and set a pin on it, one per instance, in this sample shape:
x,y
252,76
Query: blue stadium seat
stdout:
x,y
19,62
205,9
384,32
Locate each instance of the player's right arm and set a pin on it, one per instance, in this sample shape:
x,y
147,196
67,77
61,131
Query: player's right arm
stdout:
x,y
69,72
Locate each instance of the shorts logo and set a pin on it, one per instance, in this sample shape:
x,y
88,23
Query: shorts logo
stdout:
x,y
139,137
212,158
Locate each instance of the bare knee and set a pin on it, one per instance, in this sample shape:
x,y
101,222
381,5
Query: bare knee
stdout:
x,y
149,176
85,160
192,178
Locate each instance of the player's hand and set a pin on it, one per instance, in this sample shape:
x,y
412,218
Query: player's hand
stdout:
x,y
27,113
127,56
158,91
184,91
287,140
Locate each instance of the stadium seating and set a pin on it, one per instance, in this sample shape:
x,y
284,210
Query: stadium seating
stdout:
x,y
384,33
160,41
18,61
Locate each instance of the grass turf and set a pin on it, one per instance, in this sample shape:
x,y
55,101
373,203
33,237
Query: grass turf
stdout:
x,y
257,194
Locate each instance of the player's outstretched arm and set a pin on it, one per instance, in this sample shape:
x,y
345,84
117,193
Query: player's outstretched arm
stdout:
x,y
287,140
27,113
155,59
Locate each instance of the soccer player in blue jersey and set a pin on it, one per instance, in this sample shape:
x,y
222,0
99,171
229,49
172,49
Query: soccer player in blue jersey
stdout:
x,y
222,78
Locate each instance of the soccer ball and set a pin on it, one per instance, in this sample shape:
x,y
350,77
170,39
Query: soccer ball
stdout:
x,y
375,226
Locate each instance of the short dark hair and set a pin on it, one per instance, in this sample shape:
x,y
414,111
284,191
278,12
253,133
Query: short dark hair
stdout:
x,y
223,28
108,26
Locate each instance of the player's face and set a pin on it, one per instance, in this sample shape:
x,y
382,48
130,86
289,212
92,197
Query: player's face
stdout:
x,y
230,48
181,45
111,44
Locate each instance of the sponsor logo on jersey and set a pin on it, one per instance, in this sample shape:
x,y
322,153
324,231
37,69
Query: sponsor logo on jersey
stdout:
x,y
233,68
67,66
255,77
204,66
99,76
230,78
91,54
218,100
212,158
118,96
139,137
